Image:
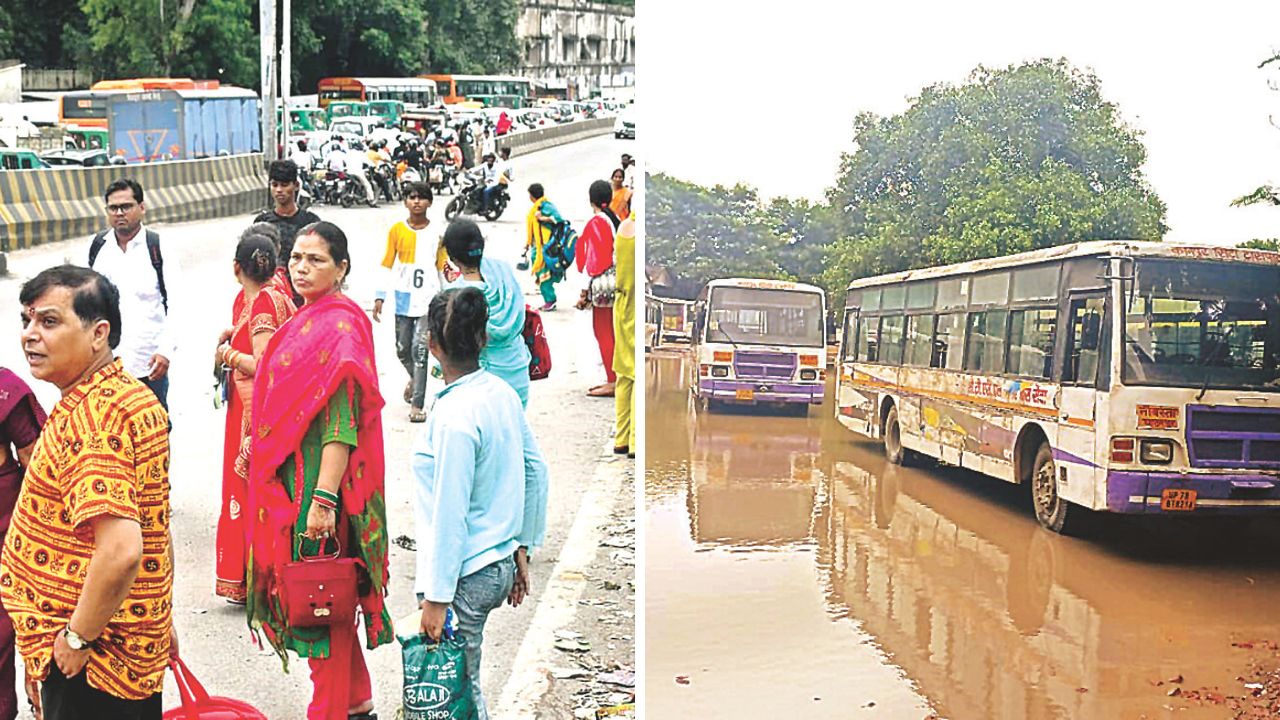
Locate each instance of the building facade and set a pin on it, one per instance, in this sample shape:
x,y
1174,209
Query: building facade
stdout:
x,y
579,48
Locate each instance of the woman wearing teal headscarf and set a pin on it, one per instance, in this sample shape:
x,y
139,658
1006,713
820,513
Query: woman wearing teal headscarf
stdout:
x,y
505,353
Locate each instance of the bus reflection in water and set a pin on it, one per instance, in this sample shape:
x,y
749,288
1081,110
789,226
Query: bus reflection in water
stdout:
x,y
749,488
1126,377
995,618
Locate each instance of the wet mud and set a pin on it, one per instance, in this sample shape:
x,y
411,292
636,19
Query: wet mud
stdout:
x,y
792,572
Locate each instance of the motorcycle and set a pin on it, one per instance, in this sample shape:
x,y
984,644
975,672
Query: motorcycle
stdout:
x,y
442,176
382,176
469,197
337,188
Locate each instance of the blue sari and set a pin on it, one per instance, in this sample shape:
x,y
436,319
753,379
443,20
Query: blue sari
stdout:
x,y
505,354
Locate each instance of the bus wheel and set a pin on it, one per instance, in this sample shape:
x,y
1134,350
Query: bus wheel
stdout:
x,y
1052,511
893,438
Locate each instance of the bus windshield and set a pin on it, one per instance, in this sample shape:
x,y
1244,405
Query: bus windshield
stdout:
x,y
758,316
1203,325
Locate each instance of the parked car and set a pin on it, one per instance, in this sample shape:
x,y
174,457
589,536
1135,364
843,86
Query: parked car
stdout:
x,y
77,158
625,124
20,159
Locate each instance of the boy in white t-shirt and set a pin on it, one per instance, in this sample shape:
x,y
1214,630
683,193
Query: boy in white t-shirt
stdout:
x,y
410,259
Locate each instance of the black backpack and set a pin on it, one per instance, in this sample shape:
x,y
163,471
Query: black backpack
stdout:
x,y
153,249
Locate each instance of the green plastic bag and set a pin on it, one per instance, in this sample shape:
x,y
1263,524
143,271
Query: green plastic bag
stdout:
x,y
436,684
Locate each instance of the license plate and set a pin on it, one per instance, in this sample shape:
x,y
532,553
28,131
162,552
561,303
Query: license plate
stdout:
x,y
1178,500
746,395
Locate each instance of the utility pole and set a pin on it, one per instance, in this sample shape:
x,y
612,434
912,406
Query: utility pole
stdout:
x,y
286,75
267,46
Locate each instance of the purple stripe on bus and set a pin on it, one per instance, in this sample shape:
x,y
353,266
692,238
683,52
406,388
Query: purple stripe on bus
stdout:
x,y
1123,485
1074,459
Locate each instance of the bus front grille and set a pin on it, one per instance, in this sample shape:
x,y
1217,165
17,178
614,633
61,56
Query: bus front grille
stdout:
x,y
1235,437
764,365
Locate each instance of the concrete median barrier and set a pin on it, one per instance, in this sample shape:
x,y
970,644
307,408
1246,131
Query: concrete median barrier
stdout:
x,y
41,206
523,143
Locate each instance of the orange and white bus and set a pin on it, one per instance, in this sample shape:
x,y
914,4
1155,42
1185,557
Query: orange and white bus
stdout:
x,y
88,108
410,91
1117,376
506,91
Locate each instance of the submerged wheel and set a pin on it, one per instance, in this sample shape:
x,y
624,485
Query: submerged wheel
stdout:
x,y
1051,510
893,438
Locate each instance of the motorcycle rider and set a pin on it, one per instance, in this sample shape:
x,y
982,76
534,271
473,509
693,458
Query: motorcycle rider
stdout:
x,y
378,156
491,176
357,169
301,157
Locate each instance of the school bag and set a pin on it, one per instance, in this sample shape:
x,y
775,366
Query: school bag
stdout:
x,y
560,248
153,250
536,339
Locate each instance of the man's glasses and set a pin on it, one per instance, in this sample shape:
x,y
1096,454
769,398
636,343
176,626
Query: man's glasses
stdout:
x,y
121,208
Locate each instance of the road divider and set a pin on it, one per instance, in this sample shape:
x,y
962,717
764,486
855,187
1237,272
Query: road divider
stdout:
x,y
42,206
529,141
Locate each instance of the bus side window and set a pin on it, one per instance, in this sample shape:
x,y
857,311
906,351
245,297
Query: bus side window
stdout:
x,y
848,336
1085,341
868,339
948,342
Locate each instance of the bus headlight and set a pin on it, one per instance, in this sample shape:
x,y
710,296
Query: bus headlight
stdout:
x,y
808,374
719,371
1156,452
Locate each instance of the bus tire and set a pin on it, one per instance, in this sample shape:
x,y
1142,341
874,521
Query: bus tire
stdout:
x,y
893,438
1051,510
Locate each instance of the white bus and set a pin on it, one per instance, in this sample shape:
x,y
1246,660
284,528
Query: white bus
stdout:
x,y
759,342
1129,377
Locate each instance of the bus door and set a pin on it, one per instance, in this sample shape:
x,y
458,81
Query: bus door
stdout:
x,y
1084,372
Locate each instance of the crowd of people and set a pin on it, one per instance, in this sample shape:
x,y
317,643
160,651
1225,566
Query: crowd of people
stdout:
x,y
86,575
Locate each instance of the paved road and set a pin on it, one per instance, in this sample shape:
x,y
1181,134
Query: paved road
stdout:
x,y
574,431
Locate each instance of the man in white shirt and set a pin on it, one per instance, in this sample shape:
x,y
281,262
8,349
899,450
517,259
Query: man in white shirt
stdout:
x,y
129,256
357,162
628,172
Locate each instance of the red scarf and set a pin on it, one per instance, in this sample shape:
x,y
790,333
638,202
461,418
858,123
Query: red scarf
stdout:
x,y
324,344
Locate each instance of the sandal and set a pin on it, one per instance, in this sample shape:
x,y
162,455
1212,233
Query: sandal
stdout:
x,y
417,416
621,449
408,392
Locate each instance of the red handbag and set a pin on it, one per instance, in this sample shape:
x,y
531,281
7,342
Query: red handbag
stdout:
x,y
197,704
319,591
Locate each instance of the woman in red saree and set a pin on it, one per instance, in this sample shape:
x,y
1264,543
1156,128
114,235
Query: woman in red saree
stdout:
x,y
259,310
316,473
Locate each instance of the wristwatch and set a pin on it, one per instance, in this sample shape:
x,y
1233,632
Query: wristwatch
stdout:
x,y
74,641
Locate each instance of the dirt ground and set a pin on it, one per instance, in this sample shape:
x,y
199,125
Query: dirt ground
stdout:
x,y
594,674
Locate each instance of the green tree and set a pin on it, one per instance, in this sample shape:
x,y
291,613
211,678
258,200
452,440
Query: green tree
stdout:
x,y
40,34
357,37
214,39
472,36
1272,244
704,233
1016,159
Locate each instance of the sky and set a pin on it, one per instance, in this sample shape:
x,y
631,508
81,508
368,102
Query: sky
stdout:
x,y
768,97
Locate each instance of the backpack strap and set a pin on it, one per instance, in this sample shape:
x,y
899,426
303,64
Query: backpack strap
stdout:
x,y
157,262
95,247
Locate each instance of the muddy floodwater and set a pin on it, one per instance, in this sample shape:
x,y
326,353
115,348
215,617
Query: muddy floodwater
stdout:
x,y
792,573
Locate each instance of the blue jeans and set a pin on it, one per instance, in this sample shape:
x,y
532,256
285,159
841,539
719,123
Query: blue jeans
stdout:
x,y
411,348
160,388
478,594
486,198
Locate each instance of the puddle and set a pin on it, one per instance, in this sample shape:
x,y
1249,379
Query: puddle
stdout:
x,y
791,571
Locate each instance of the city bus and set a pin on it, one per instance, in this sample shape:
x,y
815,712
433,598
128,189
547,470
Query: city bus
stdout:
x,y
1127,377
493,90
759,342
88,108
410,91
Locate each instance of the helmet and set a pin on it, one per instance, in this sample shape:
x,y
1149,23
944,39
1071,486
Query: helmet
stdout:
x,y
357,145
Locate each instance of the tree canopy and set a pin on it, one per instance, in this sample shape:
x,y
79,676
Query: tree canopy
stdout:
x,y
1015,159
218,39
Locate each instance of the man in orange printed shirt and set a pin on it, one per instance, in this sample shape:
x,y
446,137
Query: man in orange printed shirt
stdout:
x,y
87,568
